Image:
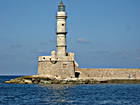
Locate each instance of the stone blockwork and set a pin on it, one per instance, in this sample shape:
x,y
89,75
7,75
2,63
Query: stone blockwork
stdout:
x,y
108,74
57,67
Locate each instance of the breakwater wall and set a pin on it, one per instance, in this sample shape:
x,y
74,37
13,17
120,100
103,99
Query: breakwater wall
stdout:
x,y
108,73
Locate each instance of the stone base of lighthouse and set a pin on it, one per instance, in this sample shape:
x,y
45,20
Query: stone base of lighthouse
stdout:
x,y
57,67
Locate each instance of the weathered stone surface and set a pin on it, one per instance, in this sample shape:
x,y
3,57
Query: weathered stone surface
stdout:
x,y
104,74
46,80
63,67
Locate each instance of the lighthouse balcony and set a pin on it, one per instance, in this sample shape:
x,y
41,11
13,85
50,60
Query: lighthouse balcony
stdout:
x,y
62,13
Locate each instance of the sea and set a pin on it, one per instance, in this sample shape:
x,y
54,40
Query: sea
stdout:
x,y
95,94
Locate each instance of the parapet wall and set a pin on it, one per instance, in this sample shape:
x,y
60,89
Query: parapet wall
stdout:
x,y
107,74
57,67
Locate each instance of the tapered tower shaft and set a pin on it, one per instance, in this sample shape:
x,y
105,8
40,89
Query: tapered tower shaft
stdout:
x,y
61,30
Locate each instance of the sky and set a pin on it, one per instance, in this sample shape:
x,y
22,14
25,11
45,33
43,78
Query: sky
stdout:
x,y
101,33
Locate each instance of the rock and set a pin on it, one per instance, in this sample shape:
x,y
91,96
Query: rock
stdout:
x,y
27,81
47,80
7,81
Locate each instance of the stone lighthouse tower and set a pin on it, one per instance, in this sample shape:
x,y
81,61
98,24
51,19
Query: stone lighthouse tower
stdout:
x,y
61,30
60,64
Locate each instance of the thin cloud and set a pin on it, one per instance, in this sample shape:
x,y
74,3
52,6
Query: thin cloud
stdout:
x,y
82,40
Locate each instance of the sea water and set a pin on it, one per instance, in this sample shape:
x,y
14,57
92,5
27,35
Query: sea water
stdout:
x,y
96,94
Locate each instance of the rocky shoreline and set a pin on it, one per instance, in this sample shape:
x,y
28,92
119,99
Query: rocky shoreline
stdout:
x,y
47,80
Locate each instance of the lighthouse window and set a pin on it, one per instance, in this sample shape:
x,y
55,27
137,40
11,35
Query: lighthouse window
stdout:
x,y
62,24
64,65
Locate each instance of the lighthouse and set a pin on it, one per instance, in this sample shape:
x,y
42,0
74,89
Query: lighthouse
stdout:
x,y
61,64
61,30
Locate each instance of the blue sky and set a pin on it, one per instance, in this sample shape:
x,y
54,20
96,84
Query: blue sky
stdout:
x,y
102,33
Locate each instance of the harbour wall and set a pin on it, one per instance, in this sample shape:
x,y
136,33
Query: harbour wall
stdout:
x,y
107,73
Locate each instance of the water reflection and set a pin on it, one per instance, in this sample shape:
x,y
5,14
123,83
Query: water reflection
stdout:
x,y
59,94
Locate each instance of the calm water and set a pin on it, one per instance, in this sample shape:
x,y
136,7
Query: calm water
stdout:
x,y
18,94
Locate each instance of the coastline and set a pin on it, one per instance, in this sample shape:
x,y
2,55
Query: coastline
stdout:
x,y
35,79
